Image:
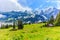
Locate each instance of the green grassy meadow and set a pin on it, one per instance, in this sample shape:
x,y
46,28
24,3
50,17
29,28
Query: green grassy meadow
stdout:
x,y
31,32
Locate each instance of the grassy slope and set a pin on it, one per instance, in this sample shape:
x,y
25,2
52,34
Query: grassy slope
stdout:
x,y
31,32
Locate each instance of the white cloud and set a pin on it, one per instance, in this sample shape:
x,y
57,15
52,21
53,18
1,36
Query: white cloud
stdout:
x,y
27,2
2,16
44,17
53,1
25,17
19,17
9,5
32,16
28,21
39,21
57,2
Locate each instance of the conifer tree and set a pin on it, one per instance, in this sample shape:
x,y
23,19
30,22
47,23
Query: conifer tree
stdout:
x,y
6,26
57,20
20,24
14,24
51,21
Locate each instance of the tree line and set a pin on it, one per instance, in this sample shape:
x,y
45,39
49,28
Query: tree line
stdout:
x,y
19,25
53,21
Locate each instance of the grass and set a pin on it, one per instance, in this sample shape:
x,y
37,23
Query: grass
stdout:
x,y
31,32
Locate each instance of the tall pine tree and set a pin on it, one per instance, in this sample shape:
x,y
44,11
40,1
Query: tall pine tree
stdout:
x,y
14,23
20,24
51,21
57,21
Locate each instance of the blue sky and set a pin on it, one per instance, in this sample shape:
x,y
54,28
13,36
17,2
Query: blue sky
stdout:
x,y
21,5
39,3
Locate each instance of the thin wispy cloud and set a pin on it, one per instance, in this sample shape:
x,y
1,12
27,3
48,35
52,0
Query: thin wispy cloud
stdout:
x,y
57,2
10,5
21,5
53,1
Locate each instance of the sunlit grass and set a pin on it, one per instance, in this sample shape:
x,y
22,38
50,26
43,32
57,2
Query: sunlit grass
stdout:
x,y
31,32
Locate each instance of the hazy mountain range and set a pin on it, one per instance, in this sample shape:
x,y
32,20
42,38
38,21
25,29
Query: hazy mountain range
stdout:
x,y
29,16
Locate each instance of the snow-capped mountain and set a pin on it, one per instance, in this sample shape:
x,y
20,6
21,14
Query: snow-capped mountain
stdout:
x,y
50,12
29,16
